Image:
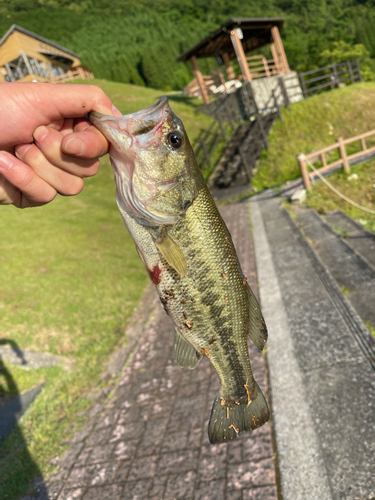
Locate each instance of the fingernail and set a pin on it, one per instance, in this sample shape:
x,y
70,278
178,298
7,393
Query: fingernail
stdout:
x,y
40,133
6,162
116,111
21,150
75,146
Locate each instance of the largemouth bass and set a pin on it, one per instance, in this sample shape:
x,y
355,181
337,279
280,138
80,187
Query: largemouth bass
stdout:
x,y
189,255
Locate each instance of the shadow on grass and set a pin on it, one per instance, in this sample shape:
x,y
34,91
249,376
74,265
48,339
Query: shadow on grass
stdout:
x,y
18,469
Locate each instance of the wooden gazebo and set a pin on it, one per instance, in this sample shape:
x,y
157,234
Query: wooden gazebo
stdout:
x,y
233,40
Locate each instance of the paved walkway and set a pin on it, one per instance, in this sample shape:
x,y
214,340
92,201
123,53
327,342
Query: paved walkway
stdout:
x,y
149,441
321,366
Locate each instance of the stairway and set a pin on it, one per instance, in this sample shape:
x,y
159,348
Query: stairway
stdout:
x,y
230,170
320,355
347,259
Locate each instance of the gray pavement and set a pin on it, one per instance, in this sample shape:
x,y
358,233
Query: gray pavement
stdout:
x,y
322,382
149,439
350,269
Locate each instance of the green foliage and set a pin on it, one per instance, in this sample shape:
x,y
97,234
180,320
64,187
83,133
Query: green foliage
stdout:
x,y
137,41
342,51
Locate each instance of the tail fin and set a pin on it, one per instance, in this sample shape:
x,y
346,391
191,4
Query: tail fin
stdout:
x,y
228,421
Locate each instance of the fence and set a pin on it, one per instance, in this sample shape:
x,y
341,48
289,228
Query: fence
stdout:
x,y
240,104
220,130
329,77
256,139
345,160
73,75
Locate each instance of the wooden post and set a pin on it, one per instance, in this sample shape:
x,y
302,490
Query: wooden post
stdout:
x,y
240,55
9,71
324,161
350,71
336,80
276,59
363,142
228,66
198,76
280,48
26,61
304,172
303,85
343,156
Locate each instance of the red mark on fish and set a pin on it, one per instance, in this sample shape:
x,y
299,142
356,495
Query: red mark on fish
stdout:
x,y
155,274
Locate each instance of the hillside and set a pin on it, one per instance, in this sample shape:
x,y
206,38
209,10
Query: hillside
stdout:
x,y
138,41
311,125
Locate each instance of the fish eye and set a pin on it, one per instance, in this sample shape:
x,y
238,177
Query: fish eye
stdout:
x,y
175,139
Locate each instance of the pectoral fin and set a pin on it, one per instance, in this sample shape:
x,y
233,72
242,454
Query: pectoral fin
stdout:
x,y
186,355
171,253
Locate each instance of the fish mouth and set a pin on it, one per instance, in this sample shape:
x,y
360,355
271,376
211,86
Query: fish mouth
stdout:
x,y
134,125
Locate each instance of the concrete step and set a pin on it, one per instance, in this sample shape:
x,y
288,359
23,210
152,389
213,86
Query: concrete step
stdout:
x,y
356,236
321,362
352,271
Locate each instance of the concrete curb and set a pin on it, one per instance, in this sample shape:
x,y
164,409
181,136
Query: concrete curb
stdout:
x,y
297,444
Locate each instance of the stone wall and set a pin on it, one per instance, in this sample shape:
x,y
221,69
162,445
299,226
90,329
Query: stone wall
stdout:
x,y
262,89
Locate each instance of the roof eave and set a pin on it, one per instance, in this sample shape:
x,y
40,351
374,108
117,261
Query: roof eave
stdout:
x,y
15,27
229,24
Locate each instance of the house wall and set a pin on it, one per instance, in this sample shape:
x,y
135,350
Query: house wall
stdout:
x,y
10,49
31,46
18,42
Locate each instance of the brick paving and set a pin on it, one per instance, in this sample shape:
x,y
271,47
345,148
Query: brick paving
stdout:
x,y
149,441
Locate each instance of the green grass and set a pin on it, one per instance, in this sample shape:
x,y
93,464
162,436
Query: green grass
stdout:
x,y
324,200
71,278
311,125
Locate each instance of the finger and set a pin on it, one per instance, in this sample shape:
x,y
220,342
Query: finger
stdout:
x,y
67,126
88,143
30,105
49,143
63,182
22,187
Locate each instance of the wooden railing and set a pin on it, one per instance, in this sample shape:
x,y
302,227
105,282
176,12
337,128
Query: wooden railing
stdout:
x,y
261,67
329,77
73,75
344,160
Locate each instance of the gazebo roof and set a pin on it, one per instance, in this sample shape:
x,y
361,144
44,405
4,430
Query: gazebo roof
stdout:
x,y
256,33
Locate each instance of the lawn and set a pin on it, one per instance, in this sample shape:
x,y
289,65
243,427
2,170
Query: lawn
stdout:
x,y
361,190
311,125
71,279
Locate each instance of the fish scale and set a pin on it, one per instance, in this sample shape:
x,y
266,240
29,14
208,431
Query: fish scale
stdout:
x,y
189,254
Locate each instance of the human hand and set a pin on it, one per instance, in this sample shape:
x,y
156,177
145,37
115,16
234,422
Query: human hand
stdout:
x,y
46,146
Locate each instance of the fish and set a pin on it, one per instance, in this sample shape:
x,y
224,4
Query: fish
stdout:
x,y
189,254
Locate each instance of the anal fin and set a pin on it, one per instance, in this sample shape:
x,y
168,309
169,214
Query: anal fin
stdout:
x,y
258,331
186,355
